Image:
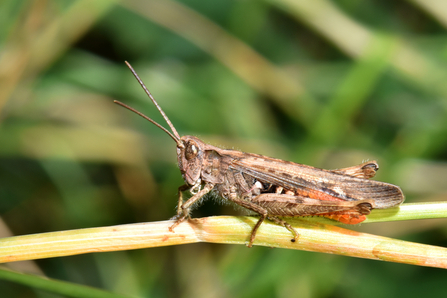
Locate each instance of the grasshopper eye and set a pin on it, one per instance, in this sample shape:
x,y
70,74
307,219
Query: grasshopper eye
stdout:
x,y
191,151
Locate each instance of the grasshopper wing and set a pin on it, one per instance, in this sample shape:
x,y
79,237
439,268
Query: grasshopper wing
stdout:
x,y
320,184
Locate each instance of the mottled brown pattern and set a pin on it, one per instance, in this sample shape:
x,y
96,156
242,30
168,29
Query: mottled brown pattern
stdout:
x,y
272,187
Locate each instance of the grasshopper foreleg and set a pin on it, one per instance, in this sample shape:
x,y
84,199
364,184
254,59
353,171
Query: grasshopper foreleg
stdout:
x,y
183,209
181,189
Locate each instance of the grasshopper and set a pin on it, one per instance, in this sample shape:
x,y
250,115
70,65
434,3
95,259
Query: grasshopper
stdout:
x,y
271,187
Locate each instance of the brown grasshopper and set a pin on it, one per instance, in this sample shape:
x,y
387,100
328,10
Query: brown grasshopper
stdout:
x,y
271,187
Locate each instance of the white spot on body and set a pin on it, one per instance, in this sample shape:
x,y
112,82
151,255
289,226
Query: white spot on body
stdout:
x,y
339,190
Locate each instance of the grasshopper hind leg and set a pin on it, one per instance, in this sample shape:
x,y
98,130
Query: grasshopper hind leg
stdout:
x,y
286,225
276,220
263,212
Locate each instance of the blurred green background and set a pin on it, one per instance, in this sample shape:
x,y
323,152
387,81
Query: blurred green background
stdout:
x,y
325,83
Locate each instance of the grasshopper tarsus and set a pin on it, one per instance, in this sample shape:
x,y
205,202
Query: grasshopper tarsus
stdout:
x,y
272,187
176,223
287,226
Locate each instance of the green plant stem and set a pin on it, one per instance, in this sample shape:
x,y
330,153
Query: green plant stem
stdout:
x,y
67,289
315,235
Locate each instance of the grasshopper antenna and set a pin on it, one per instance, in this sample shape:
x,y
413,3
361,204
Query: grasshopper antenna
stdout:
x,y
174,135
175,138
153,100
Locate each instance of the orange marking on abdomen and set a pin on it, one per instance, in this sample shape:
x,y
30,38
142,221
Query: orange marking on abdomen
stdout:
x,y
350,218
317,195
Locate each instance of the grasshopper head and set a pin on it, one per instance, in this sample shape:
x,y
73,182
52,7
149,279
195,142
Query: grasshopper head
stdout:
x,y
190,158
